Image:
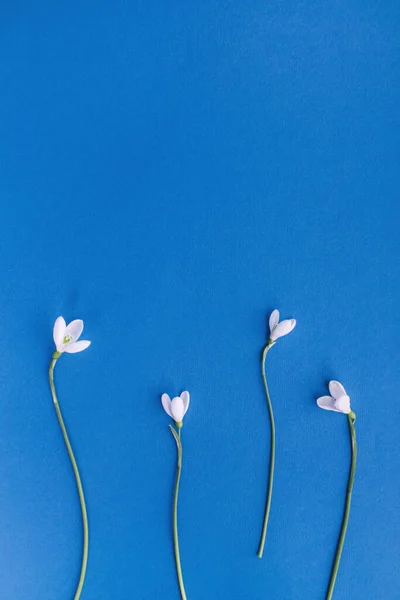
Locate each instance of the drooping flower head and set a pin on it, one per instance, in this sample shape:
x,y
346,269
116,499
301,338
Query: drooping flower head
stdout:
x,y
279,329
177,407
66,336
338,401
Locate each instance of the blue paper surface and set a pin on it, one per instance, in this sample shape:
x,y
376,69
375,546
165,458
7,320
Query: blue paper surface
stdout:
x,y
170,172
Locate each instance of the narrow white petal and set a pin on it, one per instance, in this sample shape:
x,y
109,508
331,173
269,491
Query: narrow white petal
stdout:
x,y
166,402
74,347
293,322
186,400
59,331
273,320
283,328
74,329
336,389
177,409
327,403
343,404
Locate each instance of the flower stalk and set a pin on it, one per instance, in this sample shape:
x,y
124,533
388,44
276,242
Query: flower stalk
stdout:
x,y
177,436
271,455
79,486
351,418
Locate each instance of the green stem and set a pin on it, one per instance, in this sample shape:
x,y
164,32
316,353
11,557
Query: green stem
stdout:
x,y
271,455
346,515
78,592
177,437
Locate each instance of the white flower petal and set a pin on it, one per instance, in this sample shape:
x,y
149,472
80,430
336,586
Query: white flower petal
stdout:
x,y
343,404
273,320
166,402
177,409
283,328
59,331
327,403
74,329
74,347
185,396
336,389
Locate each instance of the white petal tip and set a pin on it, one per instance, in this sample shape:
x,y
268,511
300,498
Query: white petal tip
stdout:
x,y
58,331
327,403
74,347
185,396
336,389
273,320
166,402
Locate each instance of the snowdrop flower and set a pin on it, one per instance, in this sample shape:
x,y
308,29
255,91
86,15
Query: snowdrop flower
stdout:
x,y
66,336
279,329
177,407
338,401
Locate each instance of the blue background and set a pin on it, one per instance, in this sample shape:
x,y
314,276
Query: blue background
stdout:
x,y
171,172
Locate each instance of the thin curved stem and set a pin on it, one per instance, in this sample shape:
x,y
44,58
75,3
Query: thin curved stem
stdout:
x,y
346,514
77,478
271,455
177,437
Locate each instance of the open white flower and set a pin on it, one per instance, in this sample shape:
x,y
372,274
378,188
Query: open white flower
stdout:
x,y
279,329
66,336
338,401
177,407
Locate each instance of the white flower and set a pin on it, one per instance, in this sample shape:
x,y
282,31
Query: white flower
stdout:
x,y
66,336
338,401
279,329
177,407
